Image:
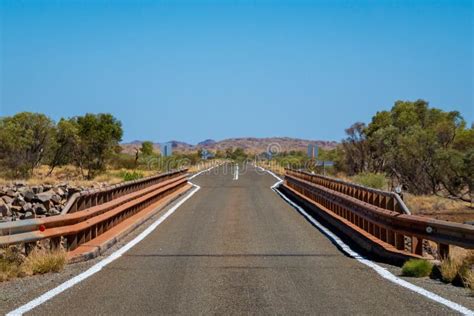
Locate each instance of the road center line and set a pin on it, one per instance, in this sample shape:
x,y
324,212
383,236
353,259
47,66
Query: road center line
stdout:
x,y
379,269
236,172
101,264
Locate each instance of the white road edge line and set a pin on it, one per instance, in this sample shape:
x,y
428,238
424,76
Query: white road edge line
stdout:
x,y
101,264
384,273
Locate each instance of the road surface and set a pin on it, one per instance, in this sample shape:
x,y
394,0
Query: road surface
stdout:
x,y
236,247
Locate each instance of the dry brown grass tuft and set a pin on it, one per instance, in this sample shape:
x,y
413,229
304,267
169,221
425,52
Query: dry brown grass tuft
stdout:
x,y
449,269
13,265
469,281
44,261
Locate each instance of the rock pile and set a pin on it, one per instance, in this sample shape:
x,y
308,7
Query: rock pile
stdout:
x,y
19,201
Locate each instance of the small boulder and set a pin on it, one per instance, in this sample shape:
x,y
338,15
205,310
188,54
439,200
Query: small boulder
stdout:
x,y
40,209
29,195
5,209
53,211
7,199
56,199
18,201
28,215
16,209
27,207
11,193
37,189
45,196
59,191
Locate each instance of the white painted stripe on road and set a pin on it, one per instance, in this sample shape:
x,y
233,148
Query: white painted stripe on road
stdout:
x,y
98,266
236,172
380,270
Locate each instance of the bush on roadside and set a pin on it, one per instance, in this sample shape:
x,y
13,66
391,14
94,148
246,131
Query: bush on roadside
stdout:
x,y
417,268
130,175
371,180
13,264
466,272
10,263
44,261
449,269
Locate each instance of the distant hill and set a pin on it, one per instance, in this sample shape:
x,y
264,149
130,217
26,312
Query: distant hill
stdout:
x,y
249,144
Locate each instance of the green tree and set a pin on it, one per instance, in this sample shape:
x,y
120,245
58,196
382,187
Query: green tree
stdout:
x,y
65,146
428,150
356,148
147,148
99,134
25,138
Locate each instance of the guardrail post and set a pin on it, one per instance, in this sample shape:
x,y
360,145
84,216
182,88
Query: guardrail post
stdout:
x,y
417,245
399,241
55,243
391,237
443,250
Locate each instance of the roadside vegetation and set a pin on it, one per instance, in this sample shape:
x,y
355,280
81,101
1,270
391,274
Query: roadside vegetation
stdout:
x,y
81,150
13,264
417,268
426,151
457,269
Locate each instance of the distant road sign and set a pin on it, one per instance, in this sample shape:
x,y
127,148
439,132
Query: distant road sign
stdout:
x,y
313,151
166,149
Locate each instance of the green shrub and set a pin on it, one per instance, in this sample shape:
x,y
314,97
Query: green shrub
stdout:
x,y
371,180
129,176
417,268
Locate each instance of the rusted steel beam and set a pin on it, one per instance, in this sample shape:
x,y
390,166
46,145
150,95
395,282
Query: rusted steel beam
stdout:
x,y
410,225
81,226
81,200
354,190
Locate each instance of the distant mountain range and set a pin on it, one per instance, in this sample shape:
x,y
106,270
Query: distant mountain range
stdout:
x,y
249,144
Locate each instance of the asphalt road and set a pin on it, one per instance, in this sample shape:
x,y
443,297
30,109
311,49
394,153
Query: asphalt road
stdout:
x,y
236,247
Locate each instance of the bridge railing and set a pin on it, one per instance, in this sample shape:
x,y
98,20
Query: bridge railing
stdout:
x,y
88,198
389,228
383,199
96,212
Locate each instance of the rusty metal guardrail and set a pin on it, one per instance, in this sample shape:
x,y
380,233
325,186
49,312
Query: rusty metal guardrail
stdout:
x,y
88,198
383,199
387,226
78,227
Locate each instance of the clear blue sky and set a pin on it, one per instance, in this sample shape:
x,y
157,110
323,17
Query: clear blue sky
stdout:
x,y
217,69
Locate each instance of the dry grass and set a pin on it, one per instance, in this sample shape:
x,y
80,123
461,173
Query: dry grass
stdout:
x,y
469,281
44,261
449,269
440,208
459,266
14,265
72,175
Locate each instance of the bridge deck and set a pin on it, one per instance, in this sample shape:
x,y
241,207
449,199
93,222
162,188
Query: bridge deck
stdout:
x,y
236,247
